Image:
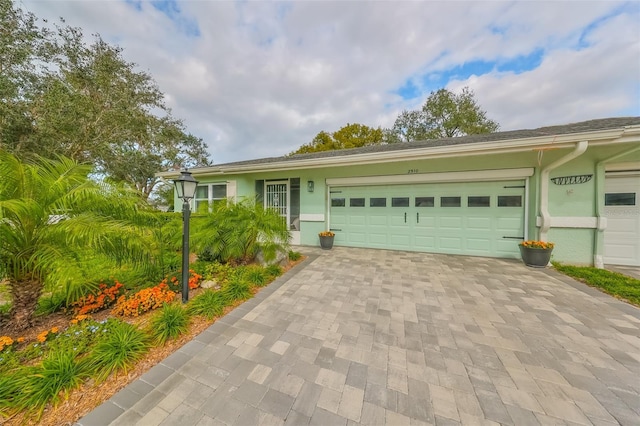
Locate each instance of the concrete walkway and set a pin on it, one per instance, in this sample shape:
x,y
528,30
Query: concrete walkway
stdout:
x,y
355,336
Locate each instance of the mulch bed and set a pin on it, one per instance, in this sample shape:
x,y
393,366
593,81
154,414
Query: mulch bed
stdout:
x,y
88,396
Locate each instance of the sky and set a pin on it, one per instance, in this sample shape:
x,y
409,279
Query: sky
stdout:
x,y
258,79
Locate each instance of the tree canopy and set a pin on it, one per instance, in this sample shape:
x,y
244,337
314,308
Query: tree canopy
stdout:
x,y
444,115
349,136
60,95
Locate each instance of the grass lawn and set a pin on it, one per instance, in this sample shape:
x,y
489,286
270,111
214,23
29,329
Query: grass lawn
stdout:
x,y
613,283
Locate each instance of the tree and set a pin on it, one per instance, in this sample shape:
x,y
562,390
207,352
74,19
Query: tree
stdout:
x,y
89,104
52,216
349,136
444,115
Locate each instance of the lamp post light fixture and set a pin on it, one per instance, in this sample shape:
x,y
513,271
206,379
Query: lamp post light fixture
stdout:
x,y
186,188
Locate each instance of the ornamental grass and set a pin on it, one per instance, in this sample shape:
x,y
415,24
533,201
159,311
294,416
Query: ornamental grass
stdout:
x,y
169,323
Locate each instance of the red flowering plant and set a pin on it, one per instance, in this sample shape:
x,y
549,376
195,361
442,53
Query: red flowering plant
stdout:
x,y
534,244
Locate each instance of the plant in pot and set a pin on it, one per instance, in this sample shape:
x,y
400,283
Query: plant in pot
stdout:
x,y
326,239
536,253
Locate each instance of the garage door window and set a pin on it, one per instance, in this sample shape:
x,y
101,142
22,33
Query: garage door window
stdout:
x,y
377,202
620,199
509,201
449,201
337,202
479,201
356,202
424,202
400,202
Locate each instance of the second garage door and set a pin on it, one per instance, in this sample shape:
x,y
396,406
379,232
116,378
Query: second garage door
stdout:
x,y
474,218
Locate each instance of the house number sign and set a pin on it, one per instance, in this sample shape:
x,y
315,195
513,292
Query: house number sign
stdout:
x,y
412,171
571,180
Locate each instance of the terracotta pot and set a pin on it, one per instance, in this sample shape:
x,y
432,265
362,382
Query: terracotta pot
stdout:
x,y
535,257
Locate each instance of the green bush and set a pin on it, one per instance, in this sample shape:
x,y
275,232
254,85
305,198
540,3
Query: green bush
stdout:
x,y
59,373
235,232
238,288
256,275
209,304
119,349
274,270
170,322
294,255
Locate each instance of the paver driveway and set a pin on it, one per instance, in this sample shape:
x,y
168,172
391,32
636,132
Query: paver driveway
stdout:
x,y
356,336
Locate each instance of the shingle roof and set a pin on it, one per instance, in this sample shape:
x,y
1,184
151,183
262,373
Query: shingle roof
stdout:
x,y
581,127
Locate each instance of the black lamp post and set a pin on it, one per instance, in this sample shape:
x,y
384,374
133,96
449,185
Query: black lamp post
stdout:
x,y
186,189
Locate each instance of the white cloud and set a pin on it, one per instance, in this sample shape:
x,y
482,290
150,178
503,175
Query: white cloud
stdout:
x,y
263,78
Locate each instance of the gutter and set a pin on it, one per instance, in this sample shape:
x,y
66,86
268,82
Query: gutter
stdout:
x,y
600,173
580,149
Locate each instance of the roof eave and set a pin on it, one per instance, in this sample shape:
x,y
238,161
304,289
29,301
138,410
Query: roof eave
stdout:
x,y
617,135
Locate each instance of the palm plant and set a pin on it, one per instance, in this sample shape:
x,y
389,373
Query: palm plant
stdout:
x,y
51,216
235,232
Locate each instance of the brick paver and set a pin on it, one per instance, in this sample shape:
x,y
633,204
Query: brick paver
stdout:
x,y
356,336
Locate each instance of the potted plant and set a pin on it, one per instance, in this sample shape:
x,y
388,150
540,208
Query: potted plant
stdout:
x,y
326,239
536,253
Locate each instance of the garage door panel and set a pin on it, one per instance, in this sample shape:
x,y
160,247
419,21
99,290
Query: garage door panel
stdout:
x,y
378,220
450,243
509,223
423,242
450,222
414,218
479,244
479,223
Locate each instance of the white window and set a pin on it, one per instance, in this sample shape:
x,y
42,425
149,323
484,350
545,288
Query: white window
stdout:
x,y
209,195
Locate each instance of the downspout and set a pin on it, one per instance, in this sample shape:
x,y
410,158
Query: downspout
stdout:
x,y
600,173
580,148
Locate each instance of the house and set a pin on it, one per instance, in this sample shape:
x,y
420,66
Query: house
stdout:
x,y
575,184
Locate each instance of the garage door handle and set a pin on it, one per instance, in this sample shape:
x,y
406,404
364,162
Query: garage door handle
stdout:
x,y
405,217
417,217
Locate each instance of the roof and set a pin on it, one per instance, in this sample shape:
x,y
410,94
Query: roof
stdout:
x,y
494,140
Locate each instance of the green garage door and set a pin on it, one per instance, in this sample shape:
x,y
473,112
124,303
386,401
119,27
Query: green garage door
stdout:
x,y
473,218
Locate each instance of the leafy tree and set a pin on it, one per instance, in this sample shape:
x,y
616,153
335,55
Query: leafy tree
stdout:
x,y
444,115
85,102
350,136
21,44
51,216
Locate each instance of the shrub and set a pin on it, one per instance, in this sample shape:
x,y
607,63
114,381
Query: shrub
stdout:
x,y
235,232
119,349
59,372
294,255
169,323
210,304
256,275
144,300
105,297
274,270
237,288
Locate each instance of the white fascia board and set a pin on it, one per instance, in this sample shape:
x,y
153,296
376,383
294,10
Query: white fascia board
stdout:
x,y
473,175
619,135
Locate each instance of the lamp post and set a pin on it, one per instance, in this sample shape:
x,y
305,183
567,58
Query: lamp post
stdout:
x,y
186,188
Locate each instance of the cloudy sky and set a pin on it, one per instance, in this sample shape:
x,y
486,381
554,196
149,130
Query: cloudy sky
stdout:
x,y
260,78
